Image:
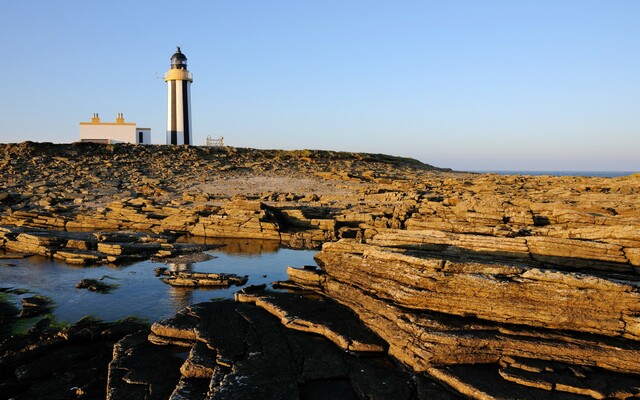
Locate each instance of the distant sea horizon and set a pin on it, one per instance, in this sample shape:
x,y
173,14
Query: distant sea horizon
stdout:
x,y
600,174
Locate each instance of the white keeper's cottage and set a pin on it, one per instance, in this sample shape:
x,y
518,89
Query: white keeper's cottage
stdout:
x,y
113,132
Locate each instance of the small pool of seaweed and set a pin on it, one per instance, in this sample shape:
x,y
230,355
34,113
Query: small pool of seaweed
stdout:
x,y
138,292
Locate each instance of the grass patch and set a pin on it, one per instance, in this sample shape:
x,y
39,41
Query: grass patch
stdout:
x,y
134,319
22,325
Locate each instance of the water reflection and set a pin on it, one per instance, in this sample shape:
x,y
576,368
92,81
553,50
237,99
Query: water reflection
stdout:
x,y
238,246
181,297
180,267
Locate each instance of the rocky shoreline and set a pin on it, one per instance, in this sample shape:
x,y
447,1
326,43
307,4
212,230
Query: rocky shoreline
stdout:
x,y
457,285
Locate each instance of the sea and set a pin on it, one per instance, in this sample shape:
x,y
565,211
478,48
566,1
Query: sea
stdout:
x,y
600,174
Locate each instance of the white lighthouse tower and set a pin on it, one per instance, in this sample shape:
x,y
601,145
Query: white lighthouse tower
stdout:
x,y
179,80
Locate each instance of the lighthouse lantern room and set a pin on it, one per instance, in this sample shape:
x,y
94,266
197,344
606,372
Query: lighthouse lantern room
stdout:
x,y
178,80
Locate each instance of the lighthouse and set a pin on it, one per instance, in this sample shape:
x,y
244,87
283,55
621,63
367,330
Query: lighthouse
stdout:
x,y
178,80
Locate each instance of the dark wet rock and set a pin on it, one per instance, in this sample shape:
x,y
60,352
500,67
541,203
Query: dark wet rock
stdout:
x,y
52,363
8,315
483,381
95,285
426,388
318,315
35,305
191,389
222,328
286,285
9,198
129,249
253,289
246,353
139,371
373,379
129,237
191,258
577,379
60,359
6,308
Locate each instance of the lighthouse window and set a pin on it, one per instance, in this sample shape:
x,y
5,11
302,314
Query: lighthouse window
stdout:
x,y
140,137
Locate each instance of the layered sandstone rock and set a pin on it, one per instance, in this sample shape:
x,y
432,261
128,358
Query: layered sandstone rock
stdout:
x,y
87,248
474,305
475,279
199,279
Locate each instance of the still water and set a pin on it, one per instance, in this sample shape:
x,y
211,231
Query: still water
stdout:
x,y
139,292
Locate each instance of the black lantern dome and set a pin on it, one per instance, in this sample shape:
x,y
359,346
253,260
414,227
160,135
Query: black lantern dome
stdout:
x,y
178,60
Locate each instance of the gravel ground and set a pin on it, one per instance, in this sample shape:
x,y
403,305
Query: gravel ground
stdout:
x,y
246,184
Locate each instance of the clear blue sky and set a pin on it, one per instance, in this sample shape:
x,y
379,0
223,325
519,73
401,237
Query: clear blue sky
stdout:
x,y
475,85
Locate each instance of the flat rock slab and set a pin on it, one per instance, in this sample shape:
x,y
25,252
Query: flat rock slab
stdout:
x,y
186,258
244,352
95,285
199,279
589,381
180,326
190,389
8,314
139,371
35,305
98,247
14,256
319,315
483,382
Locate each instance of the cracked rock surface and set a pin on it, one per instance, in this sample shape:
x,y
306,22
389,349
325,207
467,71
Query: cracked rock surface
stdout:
x,y
237,350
